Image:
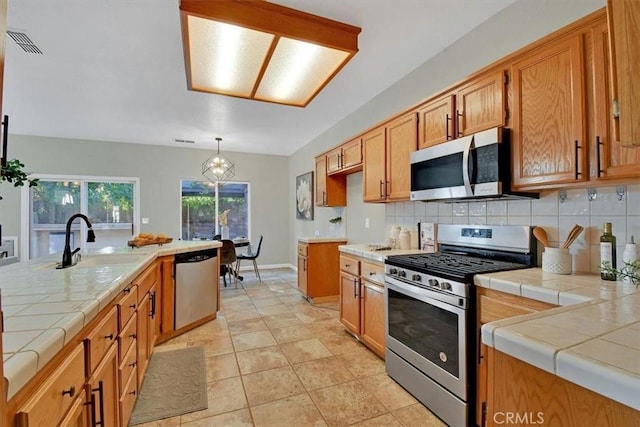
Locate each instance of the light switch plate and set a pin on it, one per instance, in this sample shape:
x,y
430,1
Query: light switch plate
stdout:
x,y
145,220
366,223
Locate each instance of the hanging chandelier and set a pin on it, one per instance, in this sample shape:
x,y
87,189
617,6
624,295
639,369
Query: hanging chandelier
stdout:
x,y
217,168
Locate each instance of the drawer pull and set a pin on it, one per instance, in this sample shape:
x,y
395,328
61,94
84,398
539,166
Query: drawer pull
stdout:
x,y
133,336
132,365
372,273
347,265
133,393
71,392
126,290
108,337
132,306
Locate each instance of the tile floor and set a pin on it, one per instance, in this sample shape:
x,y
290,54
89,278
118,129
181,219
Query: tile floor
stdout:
x,y
273,359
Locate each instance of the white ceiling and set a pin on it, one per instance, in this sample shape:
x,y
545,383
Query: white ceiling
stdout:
x,y
113,70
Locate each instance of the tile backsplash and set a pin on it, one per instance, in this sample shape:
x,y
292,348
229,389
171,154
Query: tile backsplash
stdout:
x,y
555,214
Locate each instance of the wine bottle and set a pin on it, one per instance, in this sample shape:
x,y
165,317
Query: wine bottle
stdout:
x,y
607,252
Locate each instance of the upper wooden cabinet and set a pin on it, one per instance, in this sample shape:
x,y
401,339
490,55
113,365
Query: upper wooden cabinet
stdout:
x,y
479,104
331,190
624,16
609,157
548,125
387,156
345,159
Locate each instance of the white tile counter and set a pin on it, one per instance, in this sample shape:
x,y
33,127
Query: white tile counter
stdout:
x,y
366,251
321,239
592,340
44,308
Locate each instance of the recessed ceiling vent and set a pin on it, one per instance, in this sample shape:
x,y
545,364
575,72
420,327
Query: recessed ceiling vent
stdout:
x,y
23,41
184,141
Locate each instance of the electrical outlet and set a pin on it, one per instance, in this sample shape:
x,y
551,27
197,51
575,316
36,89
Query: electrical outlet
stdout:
x,y
145,220
366,223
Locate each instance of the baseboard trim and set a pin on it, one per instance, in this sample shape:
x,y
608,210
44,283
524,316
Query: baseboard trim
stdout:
x,y
249,267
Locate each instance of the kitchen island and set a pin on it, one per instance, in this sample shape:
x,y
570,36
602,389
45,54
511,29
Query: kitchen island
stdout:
x,y
575,362
49,313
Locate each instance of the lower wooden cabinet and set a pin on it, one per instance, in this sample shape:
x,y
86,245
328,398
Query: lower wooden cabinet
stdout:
x,y
362,300
318,271
495,305
77,415
144,335
104,391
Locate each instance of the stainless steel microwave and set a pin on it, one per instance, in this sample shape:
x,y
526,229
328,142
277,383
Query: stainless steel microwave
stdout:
x,y
474,166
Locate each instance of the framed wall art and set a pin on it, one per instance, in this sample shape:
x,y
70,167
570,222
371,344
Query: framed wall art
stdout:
x,y
304,196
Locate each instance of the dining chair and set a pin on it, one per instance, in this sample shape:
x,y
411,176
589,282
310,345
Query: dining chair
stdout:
x,y
227,260
251,255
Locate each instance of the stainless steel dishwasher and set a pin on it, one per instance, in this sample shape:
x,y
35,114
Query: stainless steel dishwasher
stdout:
x,y
196,287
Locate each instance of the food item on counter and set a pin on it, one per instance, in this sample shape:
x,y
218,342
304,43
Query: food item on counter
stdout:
x,y
608,252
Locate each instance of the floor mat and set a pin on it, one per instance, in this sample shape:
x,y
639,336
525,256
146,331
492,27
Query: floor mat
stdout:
x,y
175,383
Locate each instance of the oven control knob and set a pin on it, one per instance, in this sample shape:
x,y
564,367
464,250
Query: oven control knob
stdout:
x,y
416,278
445,286
393,271
433,282
402,273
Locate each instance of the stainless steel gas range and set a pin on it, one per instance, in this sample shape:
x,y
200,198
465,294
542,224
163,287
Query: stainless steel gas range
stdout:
x,y
431,336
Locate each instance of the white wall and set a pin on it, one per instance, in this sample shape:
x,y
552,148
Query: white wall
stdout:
x,y
516,26
160,170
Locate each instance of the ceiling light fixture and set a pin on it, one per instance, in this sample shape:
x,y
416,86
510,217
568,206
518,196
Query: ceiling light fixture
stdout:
x,y
217,168
262,51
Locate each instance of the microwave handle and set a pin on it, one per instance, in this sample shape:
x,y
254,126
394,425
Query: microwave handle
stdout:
x,y
466,177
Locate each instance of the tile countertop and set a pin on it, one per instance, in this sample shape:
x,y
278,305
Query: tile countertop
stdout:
x,y
322,239
592,339
365,251
44,308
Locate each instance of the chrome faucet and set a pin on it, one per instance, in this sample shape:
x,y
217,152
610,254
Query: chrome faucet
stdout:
x,y
67,254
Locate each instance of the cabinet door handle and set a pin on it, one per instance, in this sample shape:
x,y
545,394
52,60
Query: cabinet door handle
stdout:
x,y
92,405
577,157
599,143
447,126
458,117
324,198
108,337
71,392
153,305
381,184
355,288
100,391
304,264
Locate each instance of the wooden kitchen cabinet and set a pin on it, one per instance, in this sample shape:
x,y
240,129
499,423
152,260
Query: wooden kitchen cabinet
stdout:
x,y
318,271
436,121
548,128
330,190
362,300
387,157
609,157
494,305
346,158
103,385
624,17
142,342
481,103
78,416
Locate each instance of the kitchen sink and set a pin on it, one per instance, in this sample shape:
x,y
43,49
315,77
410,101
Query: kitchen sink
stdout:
x,y
97,260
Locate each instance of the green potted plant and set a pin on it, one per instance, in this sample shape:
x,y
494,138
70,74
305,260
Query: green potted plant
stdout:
x,y
631,271
13,172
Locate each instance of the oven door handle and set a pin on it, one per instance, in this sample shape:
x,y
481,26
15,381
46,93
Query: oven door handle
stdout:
x,y
452,303
466,176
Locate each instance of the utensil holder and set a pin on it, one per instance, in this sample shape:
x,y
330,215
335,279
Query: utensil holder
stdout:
x,y
557,260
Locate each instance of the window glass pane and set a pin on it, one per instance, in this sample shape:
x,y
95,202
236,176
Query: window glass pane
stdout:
x,y
198,210
234,198
110,209
52,203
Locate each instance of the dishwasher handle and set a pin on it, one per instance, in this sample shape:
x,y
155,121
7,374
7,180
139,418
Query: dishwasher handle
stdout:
x,y
197,256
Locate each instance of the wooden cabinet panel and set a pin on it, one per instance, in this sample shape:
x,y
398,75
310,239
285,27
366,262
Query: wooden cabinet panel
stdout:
x,y
127,400
302,274
625,22
548,130
103,385
168,295
154,316
127,305
372,272
481,104
436,122
374,165
77,415
53,399
127,336
351,154
303,249
401,142
330,190
350,302
334,160
127,367
144,335
372,319
609,158
146,279
100,339
349,264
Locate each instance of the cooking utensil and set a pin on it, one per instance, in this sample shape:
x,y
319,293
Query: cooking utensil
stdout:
x,y
541,235
573,235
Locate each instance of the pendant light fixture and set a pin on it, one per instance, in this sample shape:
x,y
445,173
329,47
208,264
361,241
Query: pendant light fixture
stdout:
x,y
263,51
217,168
